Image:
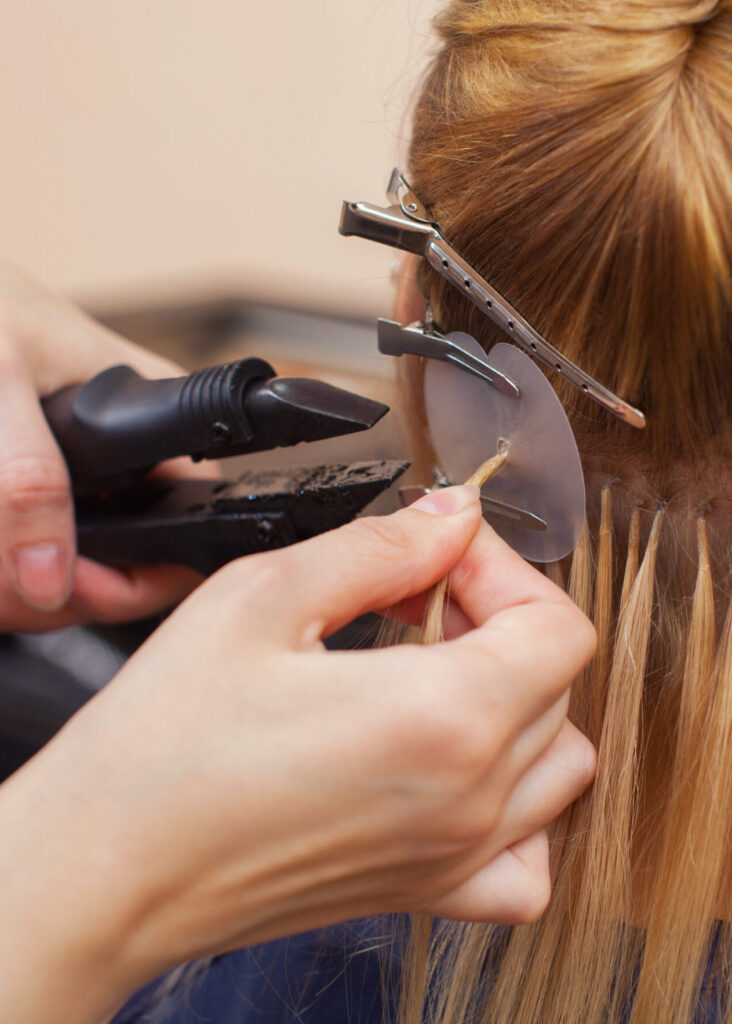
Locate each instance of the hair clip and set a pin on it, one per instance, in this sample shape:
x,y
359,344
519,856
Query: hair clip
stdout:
x,y
492,507
421,340
406,225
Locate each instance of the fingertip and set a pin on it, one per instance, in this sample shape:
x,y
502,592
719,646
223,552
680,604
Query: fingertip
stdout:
x,y
582,756
448,501
41,574
452,513
585,637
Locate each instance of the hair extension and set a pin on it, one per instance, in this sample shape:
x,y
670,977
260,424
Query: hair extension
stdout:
x,y
436,603
551,971
605,900
414,980
588,952
631,564
668,981
603,611
580,589
720,795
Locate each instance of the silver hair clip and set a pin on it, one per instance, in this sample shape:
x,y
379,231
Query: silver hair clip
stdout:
x,y
406,225
420,340
491,507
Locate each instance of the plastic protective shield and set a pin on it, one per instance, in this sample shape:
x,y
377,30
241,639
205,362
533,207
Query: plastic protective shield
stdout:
x,y
468,419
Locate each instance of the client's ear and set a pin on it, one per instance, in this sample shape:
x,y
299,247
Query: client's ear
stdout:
x,y
409,304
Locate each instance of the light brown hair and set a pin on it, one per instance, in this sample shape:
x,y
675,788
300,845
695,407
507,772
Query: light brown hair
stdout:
x,y
579,154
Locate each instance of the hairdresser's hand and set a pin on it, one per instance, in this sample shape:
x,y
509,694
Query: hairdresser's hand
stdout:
x,y
45,344
237,782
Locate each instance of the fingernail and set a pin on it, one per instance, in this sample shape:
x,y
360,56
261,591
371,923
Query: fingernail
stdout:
x,y
447,501
42,575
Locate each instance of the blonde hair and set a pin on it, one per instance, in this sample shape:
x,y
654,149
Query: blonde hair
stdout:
x,y
579,154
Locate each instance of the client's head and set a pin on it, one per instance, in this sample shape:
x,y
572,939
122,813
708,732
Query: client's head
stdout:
x,y
579,155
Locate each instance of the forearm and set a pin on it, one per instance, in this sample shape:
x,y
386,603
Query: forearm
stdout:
x,y
62,949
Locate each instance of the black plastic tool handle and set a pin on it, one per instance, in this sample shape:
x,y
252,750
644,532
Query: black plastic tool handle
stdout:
x,y
115,428
120,424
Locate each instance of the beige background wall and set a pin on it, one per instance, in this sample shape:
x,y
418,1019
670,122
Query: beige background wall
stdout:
x,y
177,144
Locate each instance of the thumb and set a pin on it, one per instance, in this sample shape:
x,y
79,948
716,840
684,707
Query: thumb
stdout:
x,y
315,587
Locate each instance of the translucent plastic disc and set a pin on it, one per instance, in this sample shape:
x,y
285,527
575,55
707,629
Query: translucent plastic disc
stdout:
x,y
468,419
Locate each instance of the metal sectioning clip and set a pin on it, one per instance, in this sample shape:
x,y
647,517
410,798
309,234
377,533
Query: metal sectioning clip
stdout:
x,y
491,507
421,340
406,225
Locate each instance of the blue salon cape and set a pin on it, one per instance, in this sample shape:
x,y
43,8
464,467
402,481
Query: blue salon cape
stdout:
x,y
340,975
331,976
